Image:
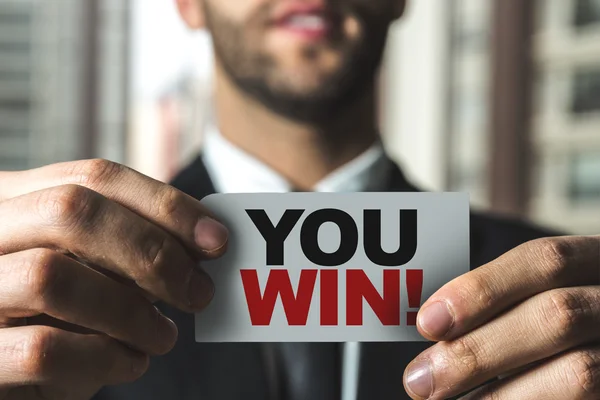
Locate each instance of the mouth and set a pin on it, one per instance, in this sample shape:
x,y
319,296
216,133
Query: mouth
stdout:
x,y
305,21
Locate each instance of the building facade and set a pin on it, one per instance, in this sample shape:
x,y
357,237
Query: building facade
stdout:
x,y
63,81
559,148
468,99
16,76
566,119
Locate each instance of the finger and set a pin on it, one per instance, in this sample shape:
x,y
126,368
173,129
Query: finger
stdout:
x,y
472,299
518,370
179,214
36,355
43,281
539,328
82,222
573,375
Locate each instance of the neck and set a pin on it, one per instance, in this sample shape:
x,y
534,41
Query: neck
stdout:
x,y
304,154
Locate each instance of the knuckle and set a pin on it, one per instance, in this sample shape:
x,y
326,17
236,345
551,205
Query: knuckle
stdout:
x,y
35,258
168,203
466,354
584,373
478,289
92,173
156,255
36,351
555,253
69,205
565,312
42,274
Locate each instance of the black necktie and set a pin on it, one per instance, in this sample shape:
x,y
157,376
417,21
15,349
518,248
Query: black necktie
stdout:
x,y
308,371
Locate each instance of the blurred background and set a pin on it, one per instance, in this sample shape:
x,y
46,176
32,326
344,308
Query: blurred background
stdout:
x,y
500,98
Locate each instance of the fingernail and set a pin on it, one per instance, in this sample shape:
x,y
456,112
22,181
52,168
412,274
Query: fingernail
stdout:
x,y
419,379
436,319
167,331
210,234
200,291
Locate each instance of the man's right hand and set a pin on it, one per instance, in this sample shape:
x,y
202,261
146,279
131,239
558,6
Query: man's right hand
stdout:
x,y
85,247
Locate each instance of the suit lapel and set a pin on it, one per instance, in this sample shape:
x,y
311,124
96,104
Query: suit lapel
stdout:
x,y
224,370
194,180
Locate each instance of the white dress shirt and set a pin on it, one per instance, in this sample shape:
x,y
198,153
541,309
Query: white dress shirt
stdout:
x,y
235,171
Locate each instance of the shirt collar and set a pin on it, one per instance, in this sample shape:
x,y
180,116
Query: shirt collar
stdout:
x,y
234,171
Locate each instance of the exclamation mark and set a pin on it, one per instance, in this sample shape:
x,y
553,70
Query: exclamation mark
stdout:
x,y
414,289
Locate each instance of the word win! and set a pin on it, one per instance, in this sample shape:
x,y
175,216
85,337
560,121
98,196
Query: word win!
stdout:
x,y
386,305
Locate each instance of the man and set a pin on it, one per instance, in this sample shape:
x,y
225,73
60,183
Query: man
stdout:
x,y
85,247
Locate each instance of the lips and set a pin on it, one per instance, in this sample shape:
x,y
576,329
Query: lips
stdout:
x,y
305,21
313,20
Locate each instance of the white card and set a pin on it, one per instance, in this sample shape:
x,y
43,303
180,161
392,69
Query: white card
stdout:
x,y
331,267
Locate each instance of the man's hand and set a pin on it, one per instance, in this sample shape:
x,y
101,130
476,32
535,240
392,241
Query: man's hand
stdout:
x,y
84,249
531,318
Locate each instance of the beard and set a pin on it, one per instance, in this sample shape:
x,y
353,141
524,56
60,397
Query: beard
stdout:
x,y
330,93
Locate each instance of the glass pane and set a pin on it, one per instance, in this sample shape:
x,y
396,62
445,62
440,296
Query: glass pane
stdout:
x,y
16,17
15,106
13,75
587,12
585,177
12,133
12,48
11,163
586,91
469,104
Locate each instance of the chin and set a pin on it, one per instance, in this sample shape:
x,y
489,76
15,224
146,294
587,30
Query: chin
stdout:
x,y
296,85
303,80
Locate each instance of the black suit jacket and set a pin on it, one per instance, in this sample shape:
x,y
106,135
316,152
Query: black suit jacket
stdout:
x,y
197,371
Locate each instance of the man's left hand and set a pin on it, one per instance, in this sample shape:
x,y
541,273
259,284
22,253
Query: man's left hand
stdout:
x,y
530,318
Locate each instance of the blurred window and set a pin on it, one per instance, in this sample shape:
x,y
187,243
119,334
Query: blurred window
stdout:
x,y
470,40
8,47
15,83
587,12
566,119
585,177
60,97
13,163
469,98
16,18
586,91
